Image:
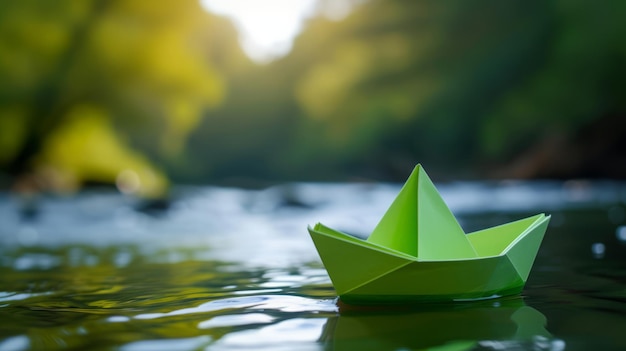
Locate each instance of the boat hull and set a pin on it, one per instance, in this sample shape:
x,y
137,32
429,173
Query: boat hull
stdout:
x,y
441,281
365,273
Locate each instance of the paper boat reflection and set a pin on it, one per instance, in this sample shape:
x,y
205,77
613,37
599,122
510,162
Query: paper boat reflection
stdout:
x,y
419,252
508,323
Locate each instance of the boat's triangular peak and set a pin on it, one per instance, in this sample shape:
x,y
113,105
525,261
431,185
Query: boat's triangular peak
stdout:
x,y
420,224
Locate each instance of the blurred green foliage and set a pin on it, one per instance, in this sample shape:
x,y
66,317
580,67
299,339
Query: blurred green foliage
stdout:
x,y
145,69
462,87
465,87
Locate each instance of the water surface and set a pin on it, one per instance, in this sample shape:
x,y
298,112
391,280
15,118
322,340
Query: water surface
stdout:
x,y
231,269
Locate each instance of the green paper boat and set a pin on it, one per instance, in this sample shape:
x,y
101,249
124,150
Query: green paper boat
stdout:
x,y
419,252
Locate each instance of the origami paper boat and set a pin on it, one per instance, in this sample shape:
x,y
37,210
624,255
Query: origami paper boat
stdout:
x,y
419,252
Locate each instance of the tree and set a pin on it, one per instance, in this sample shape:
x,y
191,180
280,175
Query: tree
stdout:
x,y
145,67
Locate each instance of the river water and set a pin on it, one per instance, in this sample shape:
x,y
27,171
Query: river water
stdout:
x,y
233,269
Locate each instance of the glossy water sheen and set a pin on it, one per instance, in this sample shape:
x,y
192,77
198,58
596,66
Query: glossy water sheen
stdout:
x,y
227,269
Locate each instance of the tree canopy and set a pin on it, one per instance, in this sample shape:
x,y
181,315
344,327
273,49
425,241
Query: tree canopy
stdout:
x,y
91,89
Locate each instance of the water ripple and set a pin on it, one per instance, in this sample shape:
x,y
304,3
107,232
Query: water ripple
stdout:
x,y
278,303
